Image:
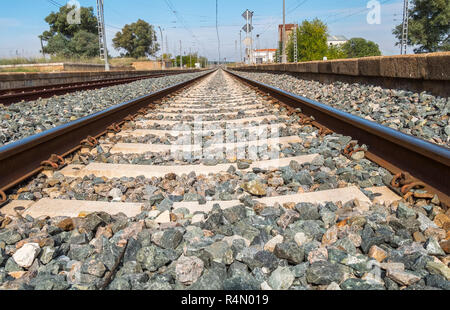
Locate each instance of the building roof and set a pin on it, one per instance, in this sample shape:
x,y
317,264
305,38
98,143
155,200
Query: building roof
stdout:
x,y
267,50
337,38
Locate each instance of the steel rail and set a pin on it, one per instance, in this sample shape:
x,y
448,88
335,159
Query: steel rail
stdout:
x,y
15,95
396,151
22,159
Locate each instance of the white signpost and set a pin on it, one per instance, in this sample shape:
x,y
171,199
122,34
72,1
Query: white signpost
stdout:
x,y
248,41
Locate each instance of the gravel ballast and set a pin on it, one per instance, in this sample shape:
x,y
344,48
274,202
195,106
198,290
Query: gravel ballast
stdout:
x,y
421,115
250,246
25,119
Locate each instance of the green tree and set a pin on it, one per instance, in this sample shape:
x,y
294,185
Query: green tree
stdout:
x,y
429,26
84,44
335,52
71,40
359,47
311,41
136,40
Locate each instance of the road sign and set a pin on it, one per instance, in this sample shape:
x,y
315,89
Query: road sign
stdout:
x,y
248,41
250,14
248,28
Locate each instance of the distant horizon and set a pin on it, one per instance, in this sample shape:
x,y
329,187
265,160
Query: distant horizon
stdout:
x,y
25,22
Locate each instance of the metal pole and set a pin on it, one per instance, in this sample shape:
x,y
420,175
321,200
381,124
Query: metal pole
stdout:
x,y
284,58
251,40
167,46
42,46
404,43
247,54
217,29
181,57
102,33
240,44
163,64
190,58
295,44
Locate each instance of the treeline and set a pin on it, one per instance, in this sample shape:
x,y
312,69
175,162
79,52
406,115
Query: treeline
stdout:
x,y
136,40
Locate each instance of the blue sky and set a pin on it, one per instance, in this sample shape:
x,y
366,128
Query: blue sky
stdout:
x,y
21,21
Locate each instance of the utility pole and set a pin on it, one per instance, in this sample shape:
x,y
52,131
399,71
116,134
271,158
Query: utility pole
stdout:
x,y
102,34
190,58
404,42
283,57
217,28
295,44
163,64
240,44
42,46
167,46
251,37
181,57
235,50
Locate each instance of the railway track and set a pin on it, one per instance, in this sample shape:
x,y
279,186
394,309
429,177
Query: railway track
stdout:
x,y
233,167
10,96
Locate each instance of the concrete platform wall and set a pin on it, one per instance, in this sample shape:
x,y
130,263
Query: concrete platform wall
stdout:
x,y
19,80
423,72
60,67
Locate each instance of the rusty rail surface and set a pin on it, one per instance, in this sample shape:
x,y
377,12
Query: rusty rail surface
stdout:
x,y
22,159
14,95
413,161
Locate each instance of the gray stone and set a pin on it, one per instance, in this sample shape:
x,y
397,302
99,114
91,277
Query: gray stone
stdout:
x,y
220,252
438,281
158,286
246,230
110,253
425,222
133,247
234,214
323,273
94,267
210,280
10,236
290,251
155,199
92,222
299,270
359,263
359,284
265,259
403,211
152,258
433,247
119,284
80,252
303,178
307,211
171,238
48,253
12,266
281,279
50,282
165,205
241,282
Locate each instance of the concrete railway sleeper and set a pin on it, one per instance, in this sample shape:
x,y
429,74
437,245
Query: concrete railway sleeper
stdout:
x,y
219,184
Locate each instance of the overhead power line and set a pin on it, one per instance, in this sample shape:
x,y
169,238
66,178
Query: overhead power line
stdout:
x,y
289,11
353,14
181,20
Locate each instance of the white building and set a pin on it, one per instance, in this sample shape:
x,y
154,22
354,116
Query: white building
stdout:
x,y
336,40
264,56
